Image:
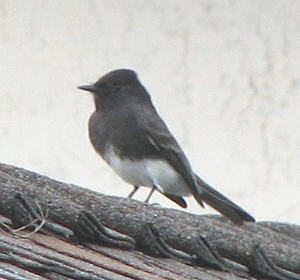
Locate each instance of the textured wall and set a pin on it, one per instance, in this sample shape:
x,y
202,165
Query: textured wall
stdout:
x,y
223,74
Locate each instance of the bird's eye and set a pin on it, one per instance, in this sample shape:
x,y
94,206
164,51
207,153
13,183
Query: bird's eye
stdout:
x,y
117,87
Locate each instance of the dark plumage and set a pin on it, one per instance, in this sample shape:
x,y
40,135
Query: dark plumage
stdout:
x,y
128,133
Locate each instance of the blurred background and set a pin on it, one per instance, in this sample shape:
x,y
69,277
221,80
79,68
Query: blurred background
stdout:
x,y
224,75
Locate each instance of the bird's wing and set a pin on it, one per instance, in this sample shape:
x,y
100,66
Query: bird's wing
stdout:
x,y
161,138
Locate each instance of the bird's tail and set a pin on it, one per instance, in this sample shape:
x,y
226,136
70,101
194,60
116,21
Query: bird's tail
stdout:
x,y
221,203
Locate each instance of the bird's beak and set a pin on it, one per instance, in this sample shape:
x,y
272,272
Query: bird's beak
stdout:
x,y
91,88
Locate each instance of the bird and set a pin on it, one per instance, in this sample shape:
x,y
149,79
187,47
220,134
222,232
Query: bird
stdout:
x,y
128,133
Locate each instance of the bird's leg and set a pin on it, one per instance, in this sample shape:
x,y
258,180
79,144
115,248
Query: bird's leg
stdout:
x,y
135,189
154,187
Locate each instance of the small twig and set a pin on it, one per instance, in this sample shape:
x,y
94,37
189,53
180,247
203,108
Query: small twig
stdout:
x,y
42,218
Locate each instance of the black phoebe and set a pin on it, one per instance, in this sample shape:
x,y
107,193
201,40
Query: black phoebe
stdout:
x,y
130,136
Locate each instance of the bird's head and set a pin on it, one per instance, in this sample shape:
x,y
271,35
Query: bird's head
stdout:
x,y
117,86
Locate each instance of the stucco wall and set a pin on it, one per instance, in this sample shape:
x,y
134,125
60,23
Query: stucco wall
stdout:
x,y
223,74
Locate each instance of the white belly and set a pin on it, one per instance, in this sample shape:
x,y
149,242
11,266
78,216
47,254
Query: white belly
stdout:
x,y
148,173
